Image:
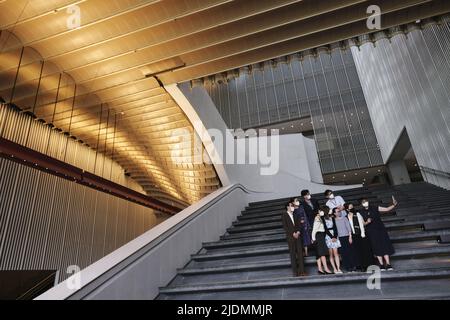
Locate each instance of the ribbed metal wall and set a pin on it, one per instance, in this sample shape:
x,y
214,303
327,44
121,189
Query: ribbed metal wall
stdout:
x,y
406,81
47,222
320,84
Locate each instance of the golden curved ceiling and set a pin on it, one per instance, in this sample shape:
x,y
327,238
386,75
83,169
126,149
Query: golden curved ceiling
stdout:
x,y
96,80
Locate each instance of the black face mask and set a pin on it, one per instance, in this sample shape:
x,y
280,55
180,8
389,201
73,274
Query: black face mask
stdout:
x,y
352,210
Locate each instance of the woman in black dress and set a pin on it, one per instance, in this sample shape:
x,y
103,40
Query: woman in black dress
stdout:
x,y
363,255
318,236
379,238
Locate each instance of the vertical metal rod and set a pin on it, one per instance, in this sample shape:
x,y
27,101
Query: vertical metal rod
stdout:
x,y
106,138
35,101
56,100
38,87
114,141
53,116
98,136
70,121
17,76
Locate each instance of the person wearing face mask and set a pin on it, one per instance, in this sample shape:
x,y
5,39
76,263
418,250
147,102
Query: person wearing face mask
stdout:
x,y
334,201
292,226
345,238
362,251
332,242
310,205
318,237
306,230
379,238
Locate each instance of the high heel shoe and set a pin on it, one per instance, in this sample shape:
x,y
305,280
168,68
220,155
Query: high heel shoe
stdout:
x,y
321,272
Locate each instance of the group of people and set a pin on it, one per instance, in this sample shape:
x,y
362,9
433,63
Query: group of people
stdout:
x,y
340,234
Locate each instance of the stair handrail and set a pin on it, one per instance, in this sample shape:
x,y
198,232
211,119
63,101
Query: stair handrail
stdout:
x,y
98,273
435,171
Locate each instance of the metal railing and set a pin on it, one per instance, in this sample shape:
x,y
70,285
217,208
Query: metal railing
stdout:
x,y
435,172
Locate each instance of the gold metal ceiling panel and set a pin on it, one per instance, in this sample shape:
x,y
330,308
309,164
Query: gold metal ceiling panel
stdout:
x,y
91,81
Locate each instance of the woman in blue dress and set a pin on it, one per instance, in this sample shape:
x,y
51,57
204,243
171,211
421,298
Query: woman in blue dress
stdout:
x,y
306,227
376,231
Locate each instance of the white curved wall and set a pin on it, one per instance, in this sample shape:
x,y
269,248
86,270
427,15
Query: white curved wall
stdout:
x,y
295,169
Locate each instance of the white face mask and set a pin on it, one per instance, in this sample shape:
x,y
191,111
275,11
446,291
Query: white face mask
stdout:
x,y
308,197
321,213
365,204
331,196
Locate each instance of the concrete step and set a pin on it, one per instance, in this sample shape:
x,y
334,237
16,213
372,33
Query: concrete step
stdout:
x,y
391,218
399,263
348,192
277,204
280,240
251,260
279,225
436,225
249,235
285,263
431,273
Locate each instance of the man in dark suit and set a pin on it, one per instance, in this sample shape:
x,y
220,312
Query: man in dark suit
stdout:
x,y
292,227
310,205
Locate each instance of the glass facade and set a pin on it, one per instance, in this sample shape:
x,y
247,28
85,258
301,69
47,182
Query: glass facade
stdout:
x,y
322,85
406,80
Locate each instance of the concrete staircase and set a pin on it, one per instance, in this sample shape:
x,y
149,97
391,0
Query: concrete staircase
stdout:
x,y
251,260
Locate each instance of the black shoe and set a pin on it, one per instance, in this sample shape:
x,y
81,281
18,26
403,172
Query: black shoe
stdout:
x,y
389,267
329,272
320,272
382,268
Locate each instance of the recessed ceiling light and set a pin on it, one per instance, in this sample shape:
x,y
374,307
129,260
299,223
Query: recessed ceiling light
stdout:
x,y
282,128
301,124
292,126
